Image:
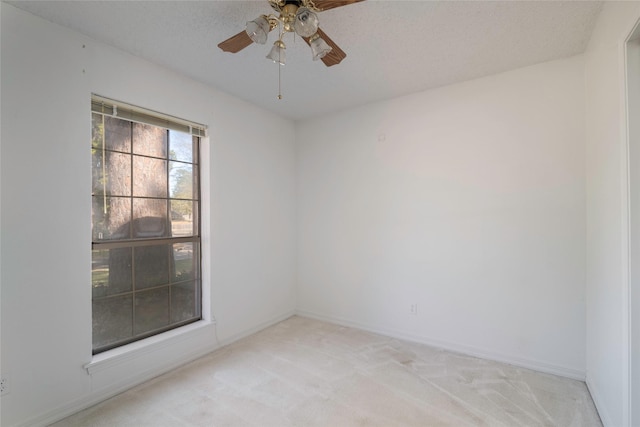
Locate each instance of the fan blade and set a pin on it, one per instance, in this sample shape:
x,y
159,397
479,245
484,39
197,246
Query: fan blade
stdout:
x,y
335,56
330,4
236,43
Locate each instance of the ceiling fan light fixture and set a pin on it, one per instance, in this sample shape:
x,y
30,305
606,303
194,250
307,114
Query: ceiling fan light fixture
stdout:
x,y
278,53
319,48
299,17
258,29
306,22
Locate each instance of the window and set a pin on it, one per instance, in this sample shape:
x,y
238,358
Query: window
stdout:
x,y
146,276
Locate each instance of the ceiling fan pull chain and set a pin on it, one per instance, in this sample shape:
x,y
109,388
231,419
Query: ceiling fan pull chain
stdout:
x,y
279,82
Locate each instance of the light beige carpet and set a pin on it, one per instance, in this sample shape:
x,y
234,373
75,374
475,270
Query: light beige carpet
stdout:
x,y
303,372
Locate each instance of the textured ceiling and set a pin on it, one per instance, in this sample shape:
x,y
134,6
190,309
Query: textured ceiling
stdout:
x,y
393,47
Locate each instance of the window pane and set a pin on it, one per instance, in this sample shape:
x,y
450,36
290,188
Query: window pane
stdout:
x,y
152,310
183,222
117,134
149,177
114,177
112,320
150,218
181,180
115,222
97,131
149,140
184,261
180,146
111,271
151,265
184,302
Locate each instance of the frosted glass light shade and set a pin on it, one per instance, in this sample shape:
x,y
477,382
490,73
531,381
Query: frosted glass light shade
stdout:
x,y
319,48
306,23
278,53
258,30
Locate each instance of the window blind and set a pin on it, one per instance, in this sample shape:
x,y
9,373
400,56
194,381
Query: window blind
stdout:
x,y
110,107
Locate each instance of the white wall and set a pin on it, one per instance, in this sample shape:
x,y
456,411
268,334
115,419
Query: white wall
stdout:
x,y
607,344
469,201
633,111
48,74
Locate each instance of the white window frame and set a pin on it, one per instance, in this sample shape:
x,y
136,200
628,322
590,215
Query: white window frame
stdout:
x,y
143,348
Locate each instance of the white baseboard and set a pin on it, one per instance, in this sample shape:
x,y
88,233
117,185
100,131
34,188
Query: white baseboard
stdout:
x,y
605,417
534,365
257,328
96,397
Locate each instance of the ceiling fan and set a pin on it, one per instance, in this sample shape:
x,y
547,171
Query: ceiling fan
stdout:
x,y
293,16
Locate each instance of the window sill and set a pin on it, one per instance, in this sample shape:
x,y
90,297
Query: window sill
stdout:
x,y
128,352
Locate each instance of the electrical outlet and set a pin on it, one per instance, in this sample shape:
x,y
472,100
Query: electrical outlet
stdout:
x,y
414,309
4,386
